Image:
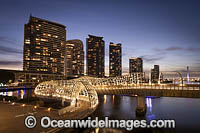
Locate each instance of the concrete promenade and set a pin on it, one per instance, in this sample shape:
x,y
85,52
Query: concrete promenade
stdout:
x,y
12,116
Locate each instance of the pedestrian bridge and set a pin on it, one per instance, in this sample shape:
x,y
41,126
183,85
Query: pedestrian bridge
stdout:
x,y
87,89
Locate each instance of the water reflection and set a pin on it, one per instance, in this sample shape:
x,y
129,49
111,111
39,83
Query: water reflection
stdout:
x,y
105,97
123,107
20,94
113,99
150,115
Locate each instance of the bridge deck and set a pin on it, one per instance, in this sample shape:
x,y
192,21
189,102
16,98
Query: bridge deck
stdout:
x,y
167,90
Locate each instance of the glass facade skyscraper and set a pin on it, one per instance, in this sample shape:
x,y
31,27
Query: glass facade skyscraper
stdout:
x,y
115,60
135,65
95,51
44,46
74,58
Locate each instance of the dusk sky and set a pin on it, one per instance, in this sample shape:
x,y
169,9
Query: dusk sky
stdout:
x,y
163,32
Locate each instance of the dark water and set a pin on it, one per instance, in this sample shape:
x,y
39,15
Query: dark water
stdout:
x,y
185,111
20,94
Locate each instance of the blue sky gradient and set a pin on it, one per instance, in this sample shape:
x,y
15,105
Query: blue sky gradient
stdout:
x,y
164,32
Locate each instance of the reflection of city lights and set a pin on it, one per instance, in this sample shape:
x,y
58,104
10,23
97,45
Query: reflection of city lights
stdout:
x,y
22,94
105,97
148,102
97,130
151,117
113,98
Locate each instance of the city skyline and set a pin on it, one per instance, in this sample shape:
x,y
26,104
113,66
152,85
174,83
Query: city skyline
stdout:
x,y
169,38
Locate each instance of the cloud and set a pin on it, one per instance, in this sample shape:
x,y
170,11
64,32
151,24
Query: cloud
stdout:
x,y
189,49
173,48
8,40
9,50
152,58
193,49
4,63
8,46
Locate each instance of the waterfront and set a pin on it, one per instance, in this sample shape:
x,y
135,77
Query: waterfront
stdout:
x,y
184,110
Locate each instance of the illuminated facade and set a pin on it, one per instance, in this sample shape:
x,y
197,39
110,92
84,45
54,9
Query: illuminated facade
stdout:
x,y
68,90
84,88
155,73
44,46
115,60
74,58
135,65
136,69
95,56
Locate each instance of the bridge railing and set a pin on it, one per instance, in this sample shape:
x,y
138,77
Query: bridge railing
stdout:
x,y
151,86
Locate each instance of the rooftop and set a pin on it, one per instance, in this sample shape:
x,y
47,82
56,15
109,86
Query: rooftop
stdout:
x,y
54,23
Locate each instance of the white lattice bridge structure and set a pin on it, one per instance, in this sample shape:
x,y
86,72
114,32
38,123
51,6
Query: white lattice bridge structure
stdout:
x,y
86,88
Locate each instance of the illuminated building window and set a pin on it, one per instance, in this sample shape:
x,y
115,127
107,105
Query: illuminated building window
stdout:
x,y
36,59
53,28
69,56
27,41
27,58
45,40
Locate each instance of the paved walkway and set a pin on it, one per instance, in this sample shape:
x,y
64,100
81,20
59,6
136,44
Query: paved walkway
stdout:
x,y
12,116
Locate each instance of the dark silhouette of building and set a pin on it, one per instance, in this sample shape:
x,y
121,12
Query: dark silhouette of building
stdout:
x,y
95,56
74,58
135,65
44,46
115,60
155,73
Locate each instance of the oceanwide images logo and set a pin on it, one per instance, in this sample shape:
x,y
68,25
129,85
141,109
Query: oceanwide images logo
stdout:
x,y
30,121
47,122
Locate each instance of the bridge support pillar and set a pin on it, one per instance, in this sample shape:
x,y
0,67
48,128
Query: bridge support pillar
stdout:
x,y
141,106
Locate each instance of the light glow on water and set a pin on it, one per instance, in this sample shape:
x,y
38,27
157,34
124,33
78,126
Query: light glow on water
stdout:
x,y
113,98
149,102
150,116
105,98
